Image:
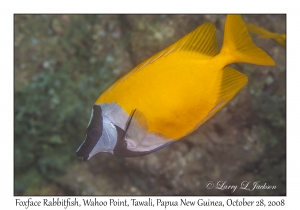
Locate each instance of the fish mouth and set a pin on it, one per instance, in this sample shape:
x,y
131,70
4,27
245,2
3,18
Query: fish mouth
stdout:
x,y
86,148
80,153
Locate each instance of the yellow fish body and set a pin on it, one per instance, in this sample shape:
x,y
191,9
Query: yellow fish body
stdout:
x,y
279,38
172,93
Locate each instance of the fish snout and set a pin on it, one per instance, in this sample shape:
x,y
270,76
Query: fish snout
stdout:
x,y
81,152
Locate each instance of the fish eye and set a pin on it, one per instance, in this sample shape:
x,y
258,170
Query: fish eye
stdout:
x,y
94,133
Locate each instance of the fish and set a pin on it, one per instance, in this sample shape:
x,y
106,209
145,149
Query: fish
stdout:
x,y
172,93
265,34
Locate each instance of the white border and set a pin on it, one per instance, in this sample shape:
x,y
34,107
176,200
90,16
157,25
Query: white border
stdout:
x,y
155,6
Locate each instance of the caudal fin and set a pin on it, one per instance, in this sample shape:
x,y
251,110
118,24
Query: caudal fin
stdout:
x,y
238,45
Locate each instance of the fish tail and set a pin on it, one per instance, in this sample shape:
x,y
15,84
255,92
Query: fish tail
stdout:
x,y
238,45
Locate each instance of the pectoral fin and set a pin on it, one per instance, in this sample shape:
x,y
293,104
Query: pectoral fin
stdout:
x,y
136,129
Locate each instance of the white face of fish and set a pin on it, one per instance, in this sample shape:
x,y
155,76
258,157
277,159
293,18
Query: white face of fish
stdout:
x,y
106,133
108,139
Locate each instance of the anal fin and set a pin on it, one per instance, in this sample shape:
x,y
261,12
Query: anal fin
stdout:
x,y
232,82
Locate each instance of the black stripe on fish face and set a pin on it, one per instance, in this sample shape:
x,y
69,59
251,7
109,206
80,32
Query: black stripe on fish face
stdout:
x,y
93,134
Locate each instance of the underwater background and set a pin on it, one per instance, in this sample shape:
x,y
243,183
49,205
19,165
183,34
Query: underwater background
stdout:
x,y
62,63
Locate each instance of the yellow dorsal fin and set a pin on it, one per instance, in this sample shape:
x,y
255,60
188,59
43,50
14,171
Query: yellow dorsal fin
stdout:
x,y
202,40
238,45
232,82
